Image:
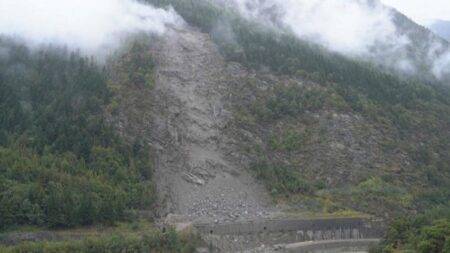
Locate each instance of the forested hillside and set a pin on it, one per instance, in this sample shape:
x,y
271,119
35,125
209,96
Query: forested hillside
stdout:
x,y
61,164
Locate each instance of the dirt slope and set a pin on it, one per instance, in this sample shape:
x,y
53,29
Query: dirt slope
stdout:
x,y
195,174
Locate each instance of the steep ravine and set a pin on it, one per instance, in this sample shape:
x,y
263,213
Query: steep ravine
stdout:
x,y
194,175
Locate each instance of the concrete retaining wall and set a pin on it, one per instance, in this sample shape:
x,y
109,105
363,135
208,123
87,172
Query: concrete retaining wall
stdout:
x,y
327,246
306,229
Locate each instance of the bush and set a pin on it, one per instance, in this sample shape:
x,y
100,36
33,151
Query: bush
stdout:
x,y
281,180
428,232
435,238
376,192
153,241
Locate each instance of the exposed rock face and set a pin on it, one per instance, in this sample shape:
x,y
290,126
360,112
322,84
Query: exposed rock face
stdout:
x,y
195,176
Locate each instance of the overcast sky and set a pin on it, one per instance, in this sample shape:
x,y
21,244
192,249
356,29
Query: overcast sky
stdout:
x,y
422,11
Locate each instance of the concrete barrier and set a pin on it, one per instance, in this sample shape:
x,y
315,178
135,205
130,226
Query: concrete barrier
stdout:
x,y
306,247
307,229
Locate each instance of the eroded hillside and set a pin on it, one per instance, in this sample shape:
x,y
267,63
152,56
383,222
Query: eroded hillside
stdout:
x,y
198,171
316,145
327,132
195,172
219,120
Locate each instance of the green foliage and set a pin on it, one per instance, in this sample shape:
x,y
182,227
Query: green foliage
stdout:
x,y
293,100
288,141
61,164
425,239
281,180
57,98
150,241
56,191
376,191
425,233
11,113
136,64
435,238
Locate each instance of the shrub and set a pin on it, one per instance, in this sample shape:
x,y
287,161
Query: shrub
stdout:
x,y
153,241
281,180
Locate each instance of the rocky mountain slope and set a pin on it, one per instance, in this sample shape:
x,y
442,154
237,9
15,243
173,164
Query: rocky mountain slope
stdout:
x,y
196,173
198,170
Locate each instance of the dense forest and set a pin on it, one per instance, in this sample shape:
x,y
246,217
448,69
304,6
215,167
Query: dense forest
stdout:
x,y
61,163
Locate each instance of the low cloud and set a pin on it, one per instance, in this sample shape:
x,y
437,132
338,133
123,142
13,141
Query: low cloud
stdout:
x,y
441,66
93,26
364,29
350,27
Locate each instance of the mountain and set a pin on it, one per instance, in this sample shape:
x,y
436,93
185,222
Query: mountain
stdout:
x,y
424,51
441,28
222,120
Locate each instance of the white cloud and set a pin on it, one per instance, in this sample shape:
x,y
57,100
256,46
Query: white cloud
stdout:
x,y
343,26
349,27
358,28
422,11
441,66
91,25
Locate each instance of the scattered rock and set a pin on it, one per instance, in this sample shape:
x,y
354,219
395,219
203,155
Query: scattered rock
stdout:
x,y
191,178
195,173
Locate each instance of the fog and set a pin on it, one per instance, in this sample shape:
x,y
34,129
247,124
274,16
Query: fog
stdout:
x,y
350,27
441,66
92,26
362,29
357,28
